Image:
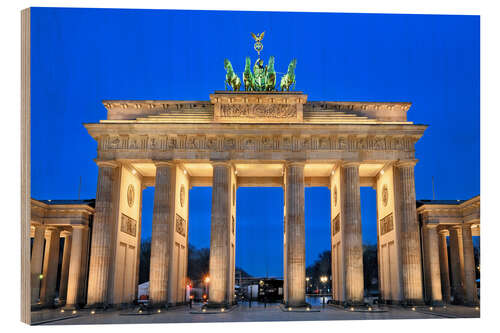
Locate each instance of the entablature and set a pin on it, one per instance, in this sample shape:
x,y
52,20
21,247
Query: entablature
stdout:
x,y
463,212
262,141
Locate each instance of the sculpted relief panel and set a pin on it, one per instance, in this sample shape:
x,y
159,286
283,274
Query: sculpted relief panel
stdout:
x,y
258,111
128,225
180,225
386,224
255,143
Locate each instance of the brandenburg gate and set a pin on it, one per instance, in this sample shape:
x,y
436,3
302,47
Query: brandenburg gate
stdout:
x,y
252,138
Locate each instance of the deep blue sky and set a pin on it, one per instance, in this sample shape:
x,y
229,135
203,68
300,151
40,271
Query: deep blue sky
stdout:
x,y
83,56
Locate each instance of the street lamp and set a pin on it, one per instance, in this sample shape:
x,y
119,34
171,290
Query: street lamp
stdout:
x,y
206,280
323,280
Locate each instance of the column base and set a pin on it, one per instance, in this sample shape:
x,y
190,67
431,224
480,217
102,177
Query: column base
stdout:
x,y
36,307
354,304
413,302
216,306
302,307
436,303
71,307
390,302
98,306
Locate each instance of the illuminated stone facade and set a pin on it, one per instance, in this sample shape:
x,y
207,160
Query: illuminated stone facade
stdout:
x,y
254,139
244,139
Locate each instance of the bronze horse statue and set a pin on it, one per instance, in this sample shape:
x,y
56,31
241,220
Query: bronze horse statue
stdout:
x,y
289,78
248,78
270,76
232,79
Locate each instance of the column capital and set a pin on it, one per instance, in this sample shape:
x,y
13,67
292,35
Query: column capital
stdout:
x,y
65,233
164,163
466,225
349,164
226,163
79,226
443,232
405,163
294,163
106,163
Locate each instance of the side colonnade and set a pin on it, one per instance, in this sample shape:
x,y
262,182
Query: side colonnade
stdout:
x,y
52,220
447,228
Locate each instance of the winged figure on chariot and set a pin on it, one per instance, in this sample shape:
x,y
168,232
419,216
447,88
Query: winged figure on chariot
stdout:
x,y
263,78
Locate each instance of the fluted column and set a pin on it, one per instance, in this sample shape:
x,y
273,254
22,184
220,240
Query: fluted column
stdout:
x,y
431,265
219,234
443,267
50,265
163,216
470,296
353,243
457,264
83,291
409,233
75,265
101,235
295,234
63,284
37,262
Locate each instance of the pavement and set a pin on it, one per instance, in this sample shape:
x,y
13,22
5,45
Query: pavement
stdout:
x,y
244,313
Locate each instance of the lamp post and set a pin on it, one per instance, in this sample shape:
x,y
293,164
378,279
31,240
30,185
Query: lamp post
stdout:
x,y
323,280
206,280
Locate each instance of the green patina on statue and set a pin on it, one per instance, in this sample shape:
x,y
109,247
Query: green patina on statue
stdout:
x,y
270,75
263,77
232,79
248,78
289,78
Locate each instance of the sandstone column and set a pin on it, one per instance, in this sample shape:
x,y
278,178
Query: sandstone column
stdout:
x,y
219,235
457,264
63,284
83,290
75,264
409,232
443,267
37,262
295,235
163,216
431,265
353,244
50,265
101,235
470,297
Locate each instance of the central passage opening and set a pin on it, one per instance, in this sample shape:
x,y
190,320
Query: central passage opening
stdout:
x,y
259,245
368,198
318,245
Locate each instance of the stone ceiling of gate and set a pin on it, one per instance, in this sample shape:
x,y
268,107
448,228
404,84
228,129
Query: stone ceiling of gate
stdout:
x,y
260,169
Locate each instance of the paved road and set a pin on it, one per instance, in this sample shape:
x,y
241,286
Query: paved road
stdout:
x,y
257,312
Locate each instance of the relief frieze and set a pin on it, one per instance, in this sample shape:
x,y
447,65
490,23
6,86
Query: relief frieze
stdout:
x,y
255,143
